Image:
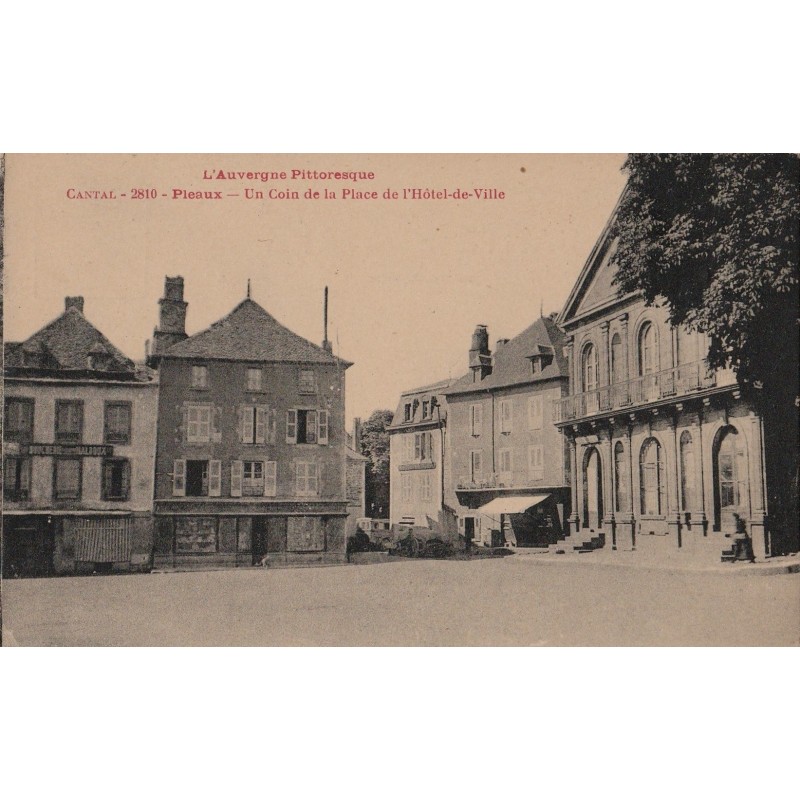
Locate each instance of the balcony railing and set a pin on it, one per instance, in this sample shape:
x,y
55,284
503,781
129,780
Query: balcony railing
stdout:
x,y
680,381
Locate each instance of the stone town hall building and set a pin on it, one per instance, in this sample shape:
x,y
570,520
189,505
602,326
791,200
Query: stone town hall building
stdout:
x,y
666,454
251,454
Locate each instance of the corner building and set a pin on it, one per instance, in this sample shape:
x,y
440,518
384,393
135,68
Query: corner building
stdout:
x,y
251,456
667,455
79,440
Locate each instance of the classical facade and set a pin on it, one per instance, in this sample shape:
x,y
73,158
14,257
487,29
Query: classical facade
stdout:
x,y
418,470
251,456
79,440
666,454
509,478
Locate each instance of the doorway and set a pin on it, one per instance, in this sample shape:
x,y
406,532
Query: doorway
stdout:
x,y
592,490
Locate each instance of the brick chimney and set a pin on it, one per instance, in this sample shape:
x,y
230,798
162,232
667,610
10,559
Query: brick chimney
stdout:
x,y
480,356
172,316
73,302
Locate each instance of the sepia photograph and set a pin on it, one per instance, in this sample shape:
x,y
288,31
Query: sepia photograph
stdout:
x,y
400,400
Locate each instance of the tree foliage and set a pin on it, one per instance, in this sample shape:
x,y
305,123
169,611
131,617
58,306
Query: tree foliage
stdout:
x,y
716,236
375,446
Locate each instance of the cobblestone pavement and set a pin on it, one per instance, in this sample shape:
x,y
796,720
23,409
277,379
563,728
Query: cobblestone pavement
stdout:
x,y
487,601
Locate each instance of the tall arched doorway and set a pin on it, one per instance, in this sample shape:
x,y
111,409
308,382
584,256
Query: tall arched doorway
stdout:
x,y
592,490
731,484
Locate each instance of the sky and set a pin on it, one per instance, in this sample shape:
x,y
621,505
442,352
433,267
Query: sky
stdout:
x,y
408,279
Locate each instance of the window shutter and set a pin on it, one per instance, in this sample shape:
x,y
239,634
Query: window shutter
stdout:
x,y
261,424
237,471
314,479
179,477
270,478
192,423
311,427
214,478
323,426
241,424
291,427
273,425
126,479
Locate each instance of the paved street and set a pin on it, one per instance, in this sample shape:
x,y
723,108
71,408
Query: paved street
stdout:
x,y
490,602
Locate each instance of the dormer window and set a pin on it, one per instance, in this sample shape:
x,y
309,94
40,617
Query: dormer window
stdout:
x,y
541,357
407,413
425,407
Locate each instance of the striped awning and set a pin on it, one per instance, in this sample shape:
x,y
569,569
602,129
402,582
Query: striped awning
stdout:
x,y
103,539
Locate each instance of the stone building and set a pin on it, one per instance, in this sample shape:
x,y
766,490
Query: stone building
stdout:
x,y
79,441
507,460
666,454
356,477
418,471
251,455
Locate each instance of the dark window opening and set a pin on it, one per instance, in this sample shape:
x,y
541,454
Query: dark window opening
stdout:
x,y
116,479
19,421
307,427
17,478
197,478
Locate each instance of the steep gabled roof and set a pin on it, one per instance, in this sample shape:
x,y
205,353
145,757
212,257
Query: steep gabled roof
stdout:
x,y
66,344
249,333
595,288
512,364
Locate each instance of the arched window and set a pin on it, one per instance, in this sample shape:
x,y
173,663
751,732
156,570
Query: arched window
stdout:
x,y
618,371
687,472
652,479
648,349
687,346
621,501
731,465
589,368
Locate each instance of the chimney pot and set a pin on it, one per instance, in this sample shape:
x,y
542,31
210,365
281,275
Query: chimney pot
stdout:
x,y
73,302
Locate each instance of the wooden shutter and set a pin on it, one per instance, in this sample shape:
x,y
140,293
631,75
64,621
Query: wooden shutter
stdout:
x,y
291,426
237,472
272,424
311,427
192,424
214,478
247,424
270,478
261,424
179,477
322,416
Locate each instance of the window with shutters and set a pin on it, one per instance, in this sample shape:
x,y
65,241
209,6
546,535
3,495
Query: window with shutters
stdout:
x,y
475,465
476,419
505,462
506,411
307,426
422,447
425,486
19,420
203,478
535,406
67,473
252,478
406,488
17,478
535,462
116,478
306,479
254,376
407,412
69,421
257,425
117,423
270,478
198,423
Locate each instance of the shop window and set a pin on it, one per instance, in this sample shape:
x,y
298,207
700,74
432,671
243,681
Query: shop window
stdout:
x,y
18,420
67,478
16,478
116,478
69,421
117,423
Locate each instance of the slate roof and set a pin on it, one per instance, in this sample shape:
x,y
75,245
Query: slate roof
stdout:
x,y
249,333
66,344
512,367
419,394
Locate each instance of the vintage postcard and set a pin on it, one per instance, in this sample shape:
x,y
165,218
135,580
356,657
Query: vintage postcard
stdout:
x,y
399,400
